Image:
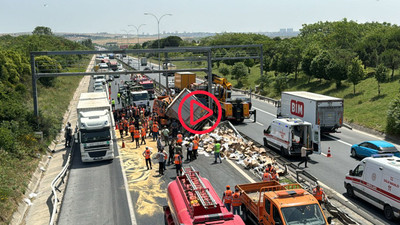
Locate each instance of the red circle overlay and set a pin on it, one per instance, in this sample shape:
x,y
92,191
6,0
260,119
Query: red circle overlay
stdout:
x,y
200,93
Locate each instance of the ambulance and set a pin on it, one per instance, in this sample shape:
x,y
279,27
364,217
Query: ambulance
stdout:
x,y
376,180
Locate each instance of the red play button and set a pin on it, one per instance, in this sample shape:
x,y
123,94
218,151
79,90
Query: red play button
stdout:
x,y
210,112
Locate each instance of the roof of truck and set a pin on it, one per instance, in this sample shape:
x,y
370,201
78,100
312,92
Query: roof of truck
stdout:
x,y
382,160
286,198
312,96
93,95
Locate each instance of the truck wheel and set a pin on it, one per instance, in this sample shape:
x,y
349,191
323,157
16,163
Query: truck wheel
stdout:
x,y
388,212
284,151
350,191
353,153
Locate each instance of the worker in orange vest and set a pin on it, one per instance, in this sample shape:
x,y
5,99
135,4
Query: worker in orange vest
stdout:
x,y
143,135
126,126
155,131
121,129
179,139
236,203
132,130
267,176
195,147
137,137
227,198
269,168
178,163
275,175
147,155
319,194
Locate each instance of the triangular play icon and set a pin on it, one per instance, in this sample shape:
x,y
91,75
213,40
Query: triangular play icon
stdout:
x,y
210,112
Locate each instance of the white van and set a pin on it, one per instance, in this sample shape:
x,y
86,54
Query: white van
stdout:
x,y
290,134
376,179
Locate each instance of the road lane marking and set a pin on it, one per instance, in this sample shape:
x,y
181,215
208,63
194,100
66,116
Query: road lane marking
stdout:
x,y
241,171
271,114
337,139
260,124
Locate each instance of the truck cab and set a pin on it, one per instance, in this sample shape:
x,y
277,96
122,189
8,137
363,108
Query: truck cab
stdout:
x,y
140,98
273,203
289,135
148,85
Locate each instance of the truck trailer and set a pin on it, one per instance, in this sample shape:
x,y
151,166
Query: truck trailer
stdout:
x,y
284,204
94,128
192,200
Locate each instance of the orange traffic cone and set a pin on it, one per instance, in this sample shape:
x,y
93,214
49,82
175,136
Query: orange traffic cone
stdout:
x,y
329,152
123,144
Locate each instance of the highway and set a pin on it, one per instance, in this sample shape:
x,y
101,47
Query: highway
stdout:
x,y
330,171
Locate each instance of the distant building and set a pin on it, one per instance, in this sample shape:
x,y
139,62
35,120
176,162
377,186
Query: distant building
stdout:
x,y
282,30
289,30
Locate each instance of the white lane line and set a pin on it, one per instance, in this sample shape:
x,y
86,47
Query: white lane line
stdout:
x,y
240,171
260,124
271,114
337,139
323,154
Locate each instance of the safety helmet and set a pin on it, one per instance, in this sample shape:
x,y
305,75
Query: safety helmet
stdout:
x,y
227,186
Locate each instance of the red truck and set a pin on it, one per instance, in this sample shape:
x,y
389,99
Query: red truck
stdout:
x,y
192,200
148,85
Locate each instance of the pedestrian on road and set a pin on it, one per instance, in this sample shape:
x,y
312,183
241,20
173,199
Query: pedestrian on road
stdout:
x,y
304,157
319,194
113,104
137,137
227,198
171,152
217,149
126,126
161,158
155,131
178,163
147,155
165,134
121,128
179,138
132,131
236,203
68,135
267,177
119,97
159,144
269,167
195,147
165,158
143,135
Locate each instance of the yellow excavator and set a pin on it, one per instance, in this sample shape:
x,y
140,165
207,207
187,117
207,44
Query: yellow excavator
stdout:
x,y
235,108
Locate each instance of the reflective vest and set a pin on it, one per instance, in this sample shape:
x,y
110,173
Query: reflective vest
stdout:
x,y
275,176
143,132
136,134
195,144
121,126
236,199
155,128
118,95
178,159
217,148
131,129
180,139
318,194
113,102
267,177
269,169
147,153
165,156
228,196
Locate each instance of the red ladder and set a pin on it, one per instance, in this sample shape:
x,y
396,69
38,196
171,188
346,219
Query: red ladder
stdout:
x,y
198,187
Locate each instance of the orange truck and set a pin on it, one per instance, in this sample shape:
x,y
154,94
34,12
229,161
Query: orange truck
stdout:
x,y
283,204
160,105
184,80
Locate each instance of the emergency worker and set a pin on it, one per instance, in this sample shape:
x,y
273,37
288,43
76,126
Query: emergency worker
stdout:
x,y
121,128
195,147
274,175
137,137
217,149
236,203
178,163
319,194
267,176
112,104
147,155
227,198
132,130
179,139
143,135
155,131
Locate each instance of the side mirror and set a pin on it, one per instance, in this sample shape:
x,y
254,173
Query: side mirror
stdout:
x,y
351,172
329,219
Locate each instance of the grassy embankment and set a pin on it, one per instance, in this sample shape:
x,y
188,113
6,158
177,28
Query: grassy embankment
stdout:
x,y
365,107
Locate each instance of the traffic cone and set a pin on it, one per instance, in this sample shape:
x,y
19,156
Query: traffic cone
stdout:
x,y
123,144
329,152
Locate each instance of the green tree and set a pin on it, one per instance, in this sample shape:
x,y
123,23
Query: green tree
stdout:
x,y
391,59
40,30
171,41
46,64
280,83
356,72
380,76
224,70
319,64
249,63
308,55
239,70
393,117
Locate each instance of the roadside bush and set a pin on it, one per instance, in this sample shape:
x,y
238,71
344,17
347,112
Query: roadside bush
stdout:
x,y
224,70
393,117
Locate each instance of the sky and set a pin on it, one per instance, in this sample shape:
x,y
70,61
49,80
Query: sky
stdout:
x,y
114,16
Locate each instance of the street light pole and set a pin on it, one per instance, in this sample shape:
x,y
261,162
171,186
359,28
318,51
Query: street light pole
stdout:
x,y
158,37
137,32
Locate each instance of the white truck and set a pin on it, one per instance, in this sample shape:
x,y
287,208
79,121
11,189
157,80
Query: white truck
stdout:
x,y
143,61
94,127
140,98
289,135
321,110
376,180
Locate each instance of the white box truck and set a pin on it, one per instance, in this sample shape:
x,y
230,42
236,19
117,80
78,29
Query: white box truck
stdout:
x,y
321,110
94,128
289,135
376,179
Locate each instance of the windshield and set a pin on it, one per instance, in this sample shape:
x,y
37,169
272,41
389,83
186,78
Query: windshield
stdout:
x,y
305,214
147,86
389,149
88,136
139,97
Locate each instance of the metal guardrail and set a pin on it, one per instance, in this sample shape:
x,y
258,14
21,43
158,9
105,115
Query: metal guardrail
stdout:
x,y
56,180
246,92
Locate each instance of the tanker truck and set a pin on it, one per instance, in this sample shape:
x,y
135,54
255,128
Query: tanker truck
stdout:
x,y
192,200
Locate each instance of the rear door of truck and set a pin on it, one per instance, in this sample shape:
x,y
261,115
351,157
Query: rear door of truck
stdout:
x,y
330,114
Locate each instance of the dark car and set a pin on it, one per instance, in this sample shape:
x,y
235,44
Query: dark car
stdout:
x,y
369,148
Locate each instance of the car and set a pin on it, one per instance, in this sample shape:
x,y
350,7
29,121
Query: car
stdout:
x,y
171,83
147,68
102,80
99,89
110,77
97,85
369,148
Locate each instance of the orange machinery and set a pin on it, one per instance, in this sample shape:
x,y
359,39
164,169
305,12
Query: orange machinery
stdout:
x,y
160,107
